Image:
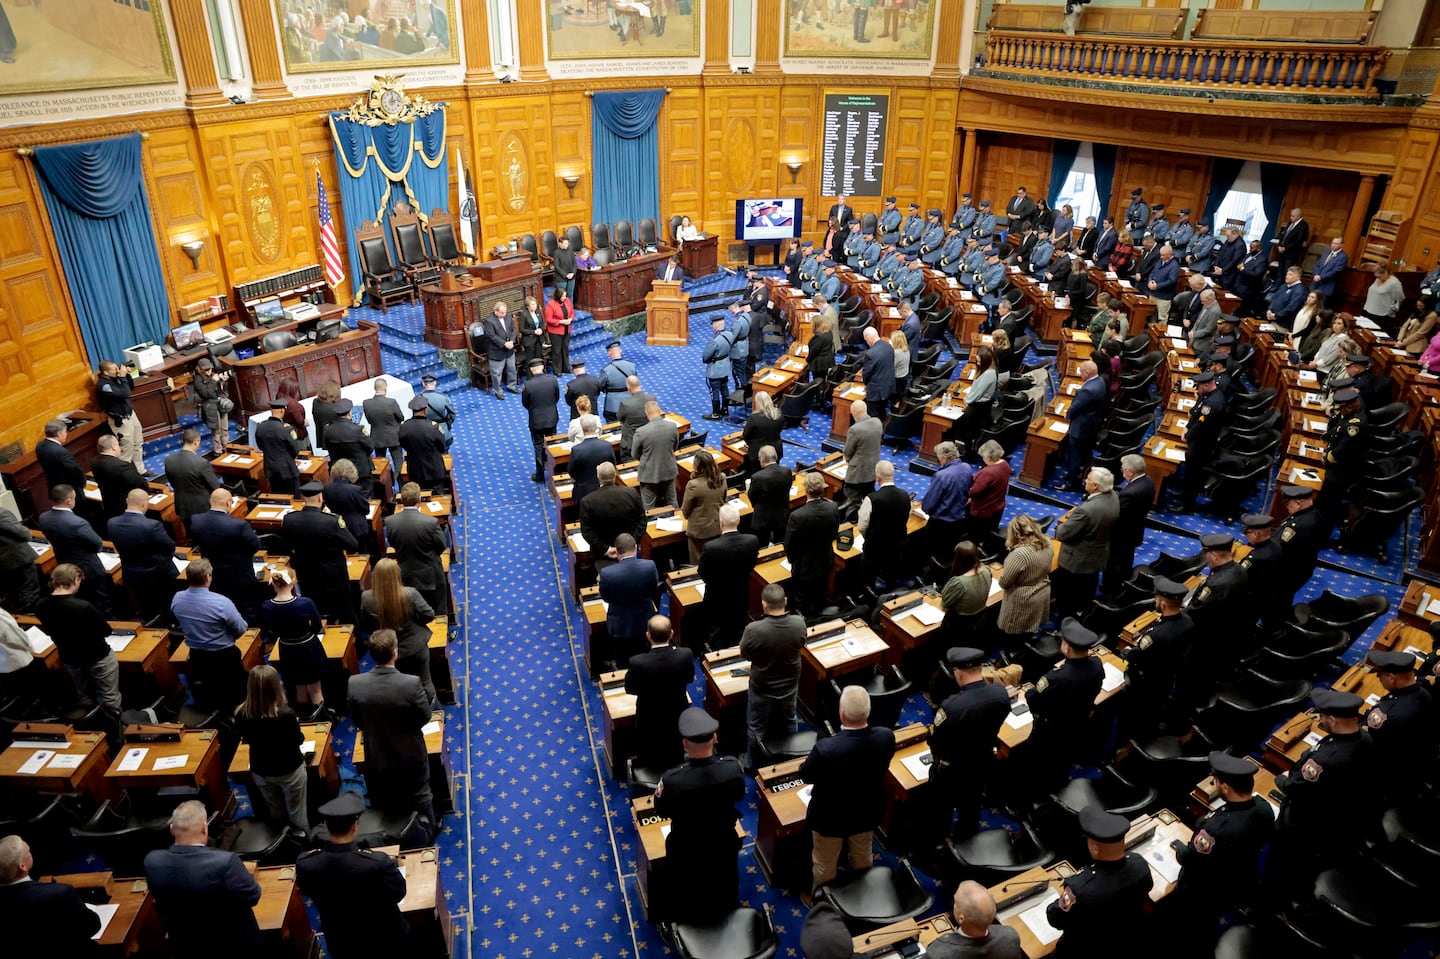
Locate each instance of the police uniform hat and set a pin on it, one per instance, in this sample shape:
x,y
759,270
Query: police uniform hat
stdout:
x,y
205,363
1256,520
1234,770
1401,662
577,366
1184,211
277,403
428,378
1337,704
891,199
1103,826
1296,492
1217,541
1348,395
1225,339
964,657
612,344
984,204
1076,635
829,264
418,403
348,804
965,196
1164,586
991,251
1136,192
1230,318
343,406
933,212
1358,359
914,206
697,725
312,488
1158,208
1206,377
1340,382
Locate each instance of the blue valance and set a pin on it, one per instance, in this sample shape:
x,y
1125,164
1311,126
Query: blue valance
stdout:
x,y
629,115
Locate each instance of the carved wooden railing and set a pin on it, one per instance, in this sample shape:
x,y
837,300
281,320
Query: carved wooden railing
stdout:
x,y
1304,69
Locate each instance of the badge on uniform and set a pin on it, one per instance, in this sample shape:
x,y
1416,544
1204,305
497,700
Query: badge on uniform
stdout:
x,y
1145,642
1067,899
1204,594
1311,771
1287,534
1353,430
1204,842
1043,685
939,716
1375,718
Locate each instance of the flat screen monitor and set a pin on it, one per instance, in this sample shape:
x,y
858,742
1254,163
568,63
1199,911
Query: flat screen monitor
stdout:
x,y
269,311
188,336
768,219
327,330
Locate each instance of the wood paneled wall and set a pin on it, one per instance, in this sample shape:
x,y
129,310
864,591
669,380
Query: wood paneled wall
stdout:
x,y
1007,162
1174,179
1325,196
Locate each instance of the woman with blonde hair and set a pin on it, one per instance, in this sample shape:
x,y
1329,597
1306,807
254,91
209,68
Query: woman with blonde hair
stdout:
x,y
390,604
762,428
582,409
704,495
1026,581
902,362
272,730
291,624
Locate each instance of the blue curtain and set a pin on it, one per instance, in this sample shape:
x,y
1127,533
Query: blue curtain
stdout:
x,y
95,194
1061,162
1274,183
1104,154
1223,173
626,148
383,164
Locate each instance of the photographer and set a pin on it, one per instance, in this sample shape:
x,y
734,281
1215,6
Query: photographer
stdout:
x,y
112,390
213,401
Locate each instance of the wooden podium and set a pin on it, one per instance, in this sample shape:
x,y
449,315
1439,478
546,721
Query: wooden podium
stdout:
x,y
700,257
667,315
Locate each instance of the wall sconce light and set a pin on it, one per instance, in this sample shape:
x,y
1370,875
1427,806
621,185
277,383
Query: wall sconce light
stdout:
x,y
570,180
193,249
794,166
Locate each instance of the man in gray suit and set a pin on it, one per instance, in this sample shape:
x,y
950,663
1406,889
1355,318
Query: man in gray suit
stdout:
x,y
391,709
19,573
419,542
632,414
862,452
1202,331
654,446
191,477
384,416
1084,536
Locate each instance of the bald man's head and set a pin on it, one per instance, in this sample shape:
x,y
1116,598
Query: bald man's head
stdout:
x,y
858,410
974,909
884,472
137,499
220,498
1088,369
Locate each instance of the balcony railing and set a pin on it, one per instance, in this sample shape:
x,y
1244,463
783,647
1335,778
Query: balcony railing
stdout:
x,y
1282,69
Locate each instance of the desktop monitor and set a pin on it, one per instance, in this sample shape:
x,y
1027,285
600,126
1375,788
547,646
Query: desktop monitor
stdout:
x,y
187,336
768,220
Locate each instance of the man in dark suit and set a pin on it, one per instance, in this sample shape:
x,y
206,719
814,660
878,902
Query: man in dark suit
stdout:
x,y
1020,210
658,679
346,440
1136,498
19,571
115,477
586,457
1087,414
632,414
670,269
391,709
357,891
278,443
541,398
500,350
1292,241
631,587
878,372
612,509
75,541
583,384
976,934
57,461
146,550
205,896
384,416
848,772
841,212
190,476
725,565
42,918
424,447
318,544
1105,245
230,544
809,545
769,490
419,542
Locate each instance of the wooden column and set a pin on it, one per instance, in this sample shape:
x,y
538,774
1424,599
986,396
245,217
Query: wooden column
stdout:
x,y
1355,226
967,163
475,22
767,41
531,27
267,82
197,57
717,37
947,50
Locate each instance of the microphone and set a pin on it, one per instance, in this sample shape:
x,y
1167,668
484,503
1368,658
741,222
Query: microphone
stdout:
x,y
1033,882
1033,888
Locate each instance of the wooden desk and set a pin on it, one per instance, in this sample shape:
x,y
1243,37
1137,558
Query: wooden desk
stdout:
x,y
1042,441
440,775
1163,457
844,395
595,634
252,652
724,689
197,754
320,760
686,593
902,786
618,289
618,720
700,257
652,828
87,776
449,313
241,463
280,913
1420,606
1012,735
147,651
1295,472
424,905
774,380
834,649
904,632
135,927
353,357
782,837
941,415
27,476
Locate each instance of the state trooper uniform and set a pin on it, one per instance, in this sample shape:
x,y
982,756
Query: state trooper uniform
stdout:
x,y
965,214
962,744
612,382
1153,663
1101,905
984,227
911,230
1137,214
890,220
357,891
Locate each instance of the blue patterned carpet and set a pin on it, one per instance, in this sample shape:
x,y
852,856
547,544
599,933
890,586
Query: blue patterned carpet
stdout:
x,y
541,855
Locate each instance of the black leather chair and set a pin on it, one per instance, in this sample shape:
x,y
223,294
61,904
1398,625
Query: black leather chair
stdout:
x,y
1385,418
1300,653
223,348
887,688
869,223
1111,791
991,856
742,934
576,236
1244,711
600,236
604,256
1252,402
624,237
1382,512
1377,905
261,840
384,282
675,222
1354,616
642,780
529,245
870,898
901,427
277,340
779,749
379,828
415,260
937,325
796,405
645,233
121,838
446,245
549,243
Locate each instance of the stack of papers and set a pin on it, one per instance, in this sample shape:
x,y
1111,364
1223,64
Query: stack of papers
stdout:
x,y
110,561
578,544
1020,721
1114,679
927,615
171,762
917,766
106,913
670,524
1059,427
430,728
40,642
118,643
1035,921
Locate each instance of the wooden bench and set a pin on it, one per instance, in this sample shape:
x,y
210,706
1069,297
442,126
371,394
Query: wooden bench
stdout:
x,y
1159,22
1285,26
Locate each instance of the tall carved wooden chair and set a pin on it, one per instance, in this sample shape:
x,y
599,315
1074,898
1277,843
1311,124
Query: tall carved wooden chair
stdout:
x,y
415,261
384,282
444,231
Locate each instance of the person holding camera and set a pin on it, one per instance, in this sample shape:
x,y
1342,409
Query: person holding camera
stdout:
x,y
112,389
213,400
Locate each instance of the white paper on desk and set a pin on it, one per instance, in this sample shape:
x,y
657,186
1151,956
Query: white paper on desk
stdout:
x,y
563,488
1185,404
110,561
995,587
1034,919
1020,721
1315,426
1126,285
430,728
1179,344
670,524
1174,332
434,506
39,547
67,761
228,458
1014,269
1312,398
785,565
1434,608
39,640
307,748
1114,679
1175,456
1313,738
851,645
1161,857
1183,422
927,615
106,912
134,756
665,831
180,564
1111,275
303,464
1061,428
118,643
36,762
1308,378
859,544
949,412
700,588
839,470
578,543
1072,388
171,762
917,766
1366,322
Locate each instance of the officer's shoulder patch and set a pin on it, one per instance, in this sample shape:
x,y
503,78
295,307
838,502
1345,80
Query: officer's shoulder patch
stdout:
x,y
939,715
1145,642
1287,534
1311,771
1353,429
1204,842
1043,684
308,853
1375,718
1204,593
341,521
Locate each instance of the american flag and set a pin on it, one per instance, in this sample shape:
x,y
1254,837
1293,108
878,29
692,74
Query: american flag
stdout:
x,y
329,251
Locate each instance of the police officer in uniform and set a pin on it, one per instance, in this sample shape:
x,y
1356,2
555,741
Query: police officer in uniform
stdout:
x,y
911,230
890,219
1263,573
1200,438
1101,906
357,891
962,743
612,380
278,444
984,228
1402,723
1060,704
699,799
1137,214
1345,441
1302,534
318,544
1329,795
1153,663
965,214
1222,602
1220,866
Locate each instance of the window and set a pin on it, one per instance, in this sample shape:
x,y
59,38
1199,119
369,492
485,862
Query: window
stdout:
x,y
1245,205
1079,189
